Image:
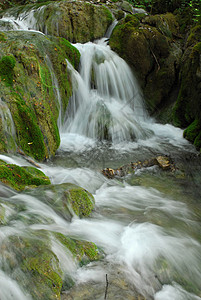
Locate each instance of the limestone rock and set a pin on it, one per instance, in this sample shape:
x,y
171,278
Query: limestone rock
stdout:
x,y
29,93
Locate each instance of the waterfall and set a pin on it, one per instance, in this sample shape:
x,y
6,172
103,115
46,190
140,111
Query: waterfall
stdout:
x,y
107,102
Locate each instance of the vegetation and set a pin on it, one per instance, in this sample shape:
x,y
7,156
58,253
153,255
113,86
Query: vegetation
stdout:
x,y
20,177
163,6
7,64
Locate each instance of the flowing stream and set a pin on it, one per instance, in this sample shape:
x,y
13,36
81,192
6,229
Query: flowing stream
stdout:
x,y
147,224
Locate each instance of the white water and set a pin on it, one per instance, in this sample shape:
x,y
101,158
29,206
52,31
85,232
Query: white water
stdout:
x,y
146,234
107,102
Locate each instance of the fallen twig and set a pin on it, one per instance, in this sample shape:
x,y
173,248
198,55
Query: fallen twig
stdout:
x,y
106,287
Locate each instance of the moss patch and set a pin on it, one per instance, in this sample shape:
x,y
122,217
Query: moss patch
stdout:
x,y
20,177
193,133
39,266
83,251
7,64
67,199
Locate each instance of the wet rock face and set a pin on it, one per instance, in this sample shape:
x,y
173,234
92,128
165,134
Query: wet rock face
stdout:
x,y
187,110
151,53
28,91
76,21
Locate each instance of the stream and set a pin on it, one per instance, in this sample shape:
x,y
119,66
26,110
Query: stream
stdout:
x,y
146,224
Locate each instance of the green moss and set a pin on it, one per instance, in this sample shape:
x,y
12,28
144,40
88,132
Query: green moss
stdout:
x,y
192,131
108,15
20,177
29,134
3,37
7,64
81,201
41,275
83,251
42,266
197,47
194,35
2,214
71,52
197,141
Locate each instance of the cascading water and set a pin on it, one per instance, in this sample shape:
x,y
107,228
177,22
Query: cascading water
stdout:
x,y
147,225
107,102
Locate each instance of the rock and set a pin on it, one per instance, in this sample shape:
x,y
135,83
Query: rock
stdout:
x,y
30,91
186,112
151,52
163,162
76,21
37,265
19,178
67,199
83,251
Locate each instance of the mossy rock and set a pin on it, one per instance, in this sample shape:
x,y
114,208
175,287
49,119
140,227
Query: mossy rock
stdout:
x,y
20,177
187,110
129,41
7,64
76,21
34,95
194,36
193,133
166,24
188,107
83,251
152,54
39,267
67,199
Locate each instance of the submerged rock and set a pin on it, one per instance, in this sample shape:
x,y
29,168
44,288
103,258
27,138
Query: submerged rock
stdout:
x,y
164,162
67,199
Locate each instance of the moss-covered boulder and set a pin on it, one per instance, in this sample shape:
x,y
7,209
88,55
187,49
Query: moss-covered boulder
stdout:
x,y
38,266
148,47
67,199
76,21
35,261
34,80
20,177
187,110
83,251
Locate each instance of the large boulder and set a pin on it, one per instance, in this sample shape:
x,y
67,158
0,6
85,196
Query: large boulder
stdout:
x,y
150,50
67,199
35,87
76,21
42,273
187,110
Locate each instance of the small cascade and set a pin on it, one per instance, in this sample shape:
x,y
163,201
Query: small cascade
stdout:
x,y
26,20
110,29
7,126
107,103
